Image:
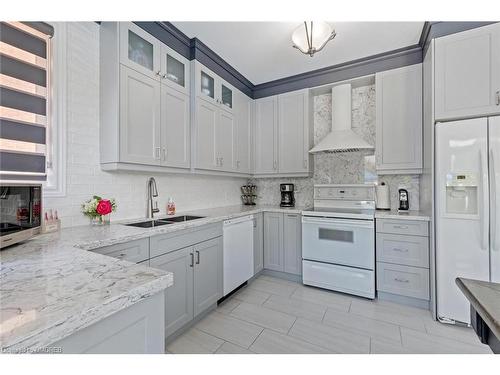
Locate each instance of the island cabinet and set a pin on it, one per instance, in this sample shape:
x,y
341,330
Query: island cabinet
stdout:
x,y
221,124
283,242
283,135
194,257
467,74
144,102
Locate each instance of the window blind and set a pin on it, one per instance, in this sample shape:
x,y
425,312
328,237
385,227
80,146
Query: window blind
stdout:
x,y
24,95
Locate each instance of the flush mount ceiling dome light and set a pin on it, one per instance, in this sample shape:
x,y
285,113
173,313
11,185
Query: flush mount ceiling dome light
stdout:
x,y
311,37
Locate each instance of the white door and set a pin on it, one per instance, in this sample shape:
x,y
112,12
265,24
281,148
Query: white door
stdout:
x,y
139,118
175,128
206,122
494,145
467,68
292,135
224,141
266,135
462,220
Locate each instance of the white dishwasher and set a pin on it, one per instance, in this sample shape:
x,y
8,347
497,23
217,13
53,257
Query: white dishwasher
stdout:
x,y
238,252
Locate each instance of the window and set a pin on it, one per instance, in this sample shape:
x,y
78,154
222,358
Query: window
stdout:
x,y
24,100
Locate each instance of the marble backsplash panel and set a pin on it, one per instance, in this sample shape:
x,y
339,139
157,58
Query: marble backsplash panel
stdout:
x,y
342,168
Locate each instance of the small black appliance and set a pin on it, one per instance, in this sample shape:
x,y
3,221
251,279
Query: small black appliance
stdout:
x,y
404,200
287,195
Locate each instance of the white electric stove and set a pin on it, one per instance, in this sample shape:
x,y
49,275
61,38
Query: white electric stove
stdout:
x,y
338,239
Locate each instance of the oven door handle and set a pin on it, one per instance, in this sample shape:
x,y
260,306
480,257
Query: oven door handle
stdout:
x,y
336,222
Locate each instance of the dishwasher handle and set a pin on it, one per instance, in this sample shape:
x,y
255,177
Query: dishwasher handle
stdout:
x,y
237,220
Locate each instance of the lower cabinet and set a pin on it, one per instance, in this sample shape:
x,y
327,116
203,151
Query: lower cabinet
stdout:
x,y
258,243
179,297
282,242
207,274
197,285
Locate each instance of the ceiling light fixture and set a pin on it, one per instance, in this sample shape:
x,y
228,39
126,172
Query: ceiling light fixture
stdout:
x,y
310,37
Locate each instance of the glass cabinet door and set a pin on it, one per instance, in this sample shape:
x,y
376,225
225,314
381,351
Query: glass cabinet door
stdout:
x,y
227,97
175,71
140,51
207,85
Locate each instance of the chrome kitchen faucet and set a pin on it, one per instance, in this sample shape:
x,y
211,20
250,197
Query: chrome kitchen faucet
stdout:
x,y
152,193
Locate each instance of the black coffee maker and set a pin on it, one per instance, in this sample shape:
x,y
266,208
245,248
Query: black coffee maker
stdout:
x,y
287,197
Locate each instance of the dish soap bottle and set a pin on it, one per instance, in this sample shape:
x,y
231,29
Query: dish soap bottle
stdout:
x,y
170,207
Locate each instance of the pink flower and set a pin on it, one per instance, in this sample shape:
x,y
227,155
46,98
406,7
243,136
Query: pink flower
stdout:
x,y
104,207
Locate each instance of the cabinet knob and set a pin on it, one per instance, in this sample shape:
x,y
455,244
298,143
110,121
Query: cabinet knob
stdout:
x,y
497,97
158,73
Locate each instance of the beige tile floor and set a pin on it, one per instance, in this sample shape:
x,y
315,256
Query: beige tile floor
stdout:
x,y
272,315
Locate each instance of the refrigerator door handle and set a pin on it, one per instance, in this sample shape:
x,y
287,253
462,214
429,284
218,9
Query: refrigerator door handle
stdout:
x,y
484,203
493,205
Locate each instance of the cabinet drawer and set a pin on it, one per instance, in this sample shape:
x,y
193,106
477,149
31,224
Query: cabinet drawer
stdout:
x,y
165,243
406,227
134,251
403,280
405,250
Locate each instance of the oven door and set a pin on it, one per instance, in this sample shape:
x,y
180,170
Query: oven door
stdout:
x,y
339,241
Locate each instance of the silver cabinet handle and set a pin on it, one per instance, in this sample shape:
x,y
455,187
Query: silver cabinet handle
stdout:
x,y
274,165
197,257
498,97
164,76
158,73
401,226
255,223
157,152
221,162
164,153
401,280
237,164
305,163
121,255
400,250
192,260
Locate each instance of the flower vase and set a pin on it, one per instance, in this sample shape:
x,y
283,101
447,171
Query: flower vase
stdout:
x,y
100,220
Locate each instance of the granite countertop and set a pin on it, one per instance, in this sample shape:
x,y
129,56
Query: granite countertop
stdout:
x,y
410,215
484,296
52,287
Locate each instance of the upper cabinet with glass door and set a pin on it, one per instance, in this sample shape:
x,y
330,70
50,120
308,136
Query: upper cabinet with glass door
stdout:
x,y
211,87
174,69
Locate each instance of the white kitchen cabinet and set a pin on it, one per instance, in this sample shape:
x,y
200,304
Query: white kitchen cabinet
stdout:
x,y
283,242
139,118
225,135
175,128
179,297
292,244
207,274
467,74
175,70
207,115
399,120
282,135
273,241
258,243
213,88
293,132
139,50
266,136
144,102
244,132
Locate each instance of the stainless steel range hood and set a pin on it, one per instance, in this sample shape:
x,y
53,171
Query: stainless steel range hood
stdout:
x,y
341,138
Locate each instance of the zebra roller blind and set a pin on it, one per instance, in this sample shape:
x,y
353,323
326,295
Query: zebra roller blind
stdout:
x,y
24,95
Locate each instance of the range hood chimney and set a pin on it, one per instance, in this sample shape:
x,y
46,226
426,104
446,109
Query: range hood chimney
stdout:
x,y
341,138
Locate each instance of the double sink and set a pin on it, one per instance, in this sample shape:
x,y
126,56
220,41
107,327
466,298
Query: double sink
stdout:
x,y
159,222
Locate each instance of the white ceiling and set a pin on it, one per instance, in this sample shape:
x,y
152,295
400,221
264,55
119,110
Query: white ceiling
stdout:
x,y
262,51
